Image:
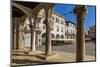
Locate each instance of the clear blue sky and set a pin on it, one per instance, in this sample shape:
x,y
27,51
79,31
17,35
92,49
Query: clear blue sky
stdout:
x,y
65,9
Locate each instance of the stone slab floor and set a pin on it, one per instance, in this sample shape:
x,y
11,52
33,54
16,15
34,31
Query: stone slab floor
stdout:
x,y
25,59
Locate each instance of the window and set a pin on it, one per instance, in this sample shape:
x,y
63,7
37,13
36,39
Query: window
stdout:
x,y
57,20
61,21
53,18
62,36
39,40
57,36
43,27
71,30
67,31
67,24
73,37
73,26
70,37
67,37
62,29
52,35
57,28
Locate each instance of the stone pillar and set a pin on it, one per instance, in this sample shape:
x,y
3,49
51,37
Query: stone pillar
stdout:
x,y
48,31
33,33
19,35
80,12
13,34
36,39
48,37
80,40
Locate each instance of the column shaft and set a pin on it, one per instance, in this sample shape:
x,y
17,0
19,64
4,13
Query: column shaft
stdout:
x,y
48,37
19,35
33,33
21,40
13,34
48,48
80,39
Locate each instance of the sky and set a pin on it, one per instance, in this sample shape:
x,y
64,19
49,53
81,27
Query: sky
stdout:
x,y
67,9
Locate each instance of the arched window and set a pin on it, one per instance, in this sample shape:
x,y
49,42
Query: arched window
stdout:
x,y
67,24
43,27
44,35
57,36
73,37
62,36
67,37
52,35
70,37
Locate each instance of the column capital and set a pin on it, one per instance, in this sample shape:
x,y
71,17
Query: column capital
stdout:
x,y
80,10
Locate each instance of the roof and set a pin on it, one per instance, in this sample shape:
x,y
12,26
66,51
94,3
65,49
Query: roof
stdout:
x,y
58,14
70,22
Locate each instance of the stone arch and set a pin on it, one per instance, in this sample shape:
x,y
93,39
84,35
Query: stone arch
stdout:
x,y
26,10
20,34
41,14
45,7
40,18
44,35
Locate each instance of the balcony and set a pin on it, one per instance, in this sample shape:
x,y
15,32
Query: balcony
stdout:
x,y
70,34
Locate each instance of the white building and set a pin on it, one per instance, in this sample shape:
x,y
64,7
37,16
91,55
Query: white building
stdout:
x,y
61,30
92,32
70,32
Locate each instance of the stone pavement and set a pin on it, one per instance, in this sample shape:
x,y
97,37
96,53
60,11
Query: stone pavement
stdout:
x,y
22,58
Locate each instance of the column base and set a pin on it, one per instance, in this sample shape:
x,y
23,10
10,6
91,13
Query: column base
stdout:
x,y
47,57
34,52
18,52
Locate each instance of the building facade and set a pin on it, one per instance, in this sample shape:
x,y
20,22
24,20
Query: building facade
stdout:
x,y
92,32
70,32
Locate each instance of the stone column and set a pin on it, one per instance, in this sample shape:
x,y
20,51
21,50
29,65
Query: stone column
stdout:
x,y
80,12
13,34
48,31
33,33
19,35
48,37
